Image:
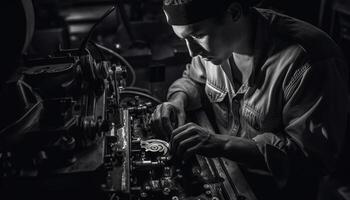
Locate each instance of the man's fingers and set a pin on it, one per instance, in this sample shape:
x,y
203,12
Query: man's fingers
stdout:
x,y
156,116
189,153
157,122
181,134
167,113
187,144
179,130
181,119
166,125
182,128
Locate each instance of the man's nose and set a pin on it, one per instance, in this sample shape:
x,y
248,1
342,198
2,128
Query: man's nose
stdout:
x,y
193,47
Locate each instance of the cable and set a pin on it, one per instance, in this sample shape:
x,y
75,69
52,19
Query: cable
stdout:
x,y
138,89
23,117
88,36
102,56
131,69
124,19
156,100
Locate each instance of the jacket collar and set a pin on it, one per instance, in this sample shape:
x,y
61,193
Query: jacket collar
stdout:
x,y
220,76
261,43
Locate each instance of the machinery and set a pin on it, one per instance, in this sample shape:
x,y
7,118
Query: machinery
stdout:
x,y
83,136
72,130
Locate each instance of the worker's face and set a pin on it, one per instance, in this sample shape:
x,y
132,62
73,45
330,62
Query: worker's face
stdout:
x,y
209,39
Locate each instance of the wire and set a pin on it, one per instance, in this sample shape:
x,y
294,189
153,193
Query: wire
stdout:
x,y
138,89
88,36
30,110
156,100
124,19
102,56
131,69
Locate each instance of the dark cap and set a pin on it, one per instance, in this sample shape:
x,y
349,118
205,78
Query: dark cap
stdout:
x,y
183,12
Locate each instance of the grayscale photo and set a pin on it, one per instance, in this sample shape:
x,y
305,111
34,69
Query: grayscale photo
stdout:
x,y
174,100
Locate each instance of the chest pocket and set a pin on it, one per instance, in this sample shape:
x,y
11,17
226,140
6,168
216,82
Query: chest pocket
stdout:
x,y
219,104
251,121
214,94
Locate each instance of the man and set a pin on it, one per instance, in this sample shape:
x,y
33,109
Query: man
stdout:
x,y
277,89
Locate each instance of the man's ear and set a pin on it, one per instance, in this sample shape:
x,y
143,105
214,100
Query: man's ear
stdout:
x,y
235,10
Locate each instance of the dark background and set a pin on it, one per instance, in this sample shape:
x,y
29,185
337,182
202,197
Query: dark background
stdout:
x,y
144,39
150,46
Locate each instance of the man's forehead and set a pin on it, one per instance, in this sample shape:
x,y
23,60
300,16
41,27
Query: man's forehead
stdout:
x,y
184,31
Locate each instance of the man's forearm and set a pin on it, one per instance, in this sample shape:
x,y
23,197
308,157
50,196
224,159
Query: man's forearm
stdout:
x,y
244,151
179,99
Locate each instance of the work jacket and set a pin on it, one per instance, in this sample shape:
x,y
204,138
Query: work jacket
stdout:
x,y
294,103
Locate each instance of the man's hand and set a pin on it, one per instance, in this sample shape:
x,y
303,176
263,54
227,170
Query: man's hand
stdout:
x,y
191,139
166,117
169,115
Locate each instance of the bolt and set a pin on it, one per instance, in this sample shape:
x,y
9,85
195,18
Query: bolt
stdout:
x,y
206,186
166,191
143,194
147,187
179,176
207,192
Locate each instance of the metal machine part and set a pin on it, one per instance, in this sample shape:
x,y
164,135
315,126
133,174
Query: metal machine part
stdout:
x,y
83,139
155,146
73,133
59,138
147,170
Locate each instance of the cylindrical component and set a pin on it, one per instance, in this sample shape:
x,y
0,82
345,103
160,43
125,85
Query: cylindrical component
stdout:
x,y
174,198
67,143
167,171
143,194
135,188
208,192
166,191
147,187
179,176
146,164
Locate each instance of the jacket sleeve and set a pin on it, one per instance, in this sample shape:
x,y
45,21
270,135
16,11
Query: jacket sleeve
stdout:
x,y
191,83
314,119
